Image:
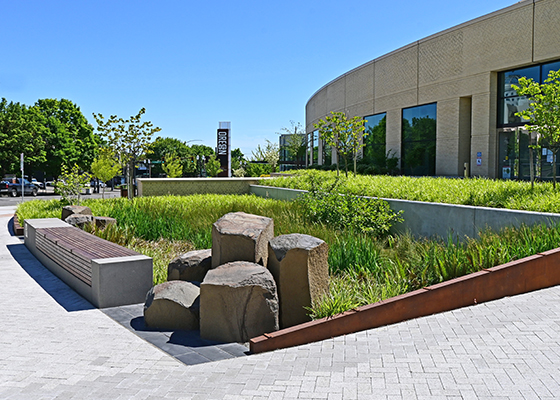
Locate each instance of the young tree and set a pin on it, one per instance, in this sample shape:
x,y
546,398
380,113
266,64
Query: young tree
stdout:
x,y
172,166
543,114
105,166
129,139
213,166
343,134
270,154
70,183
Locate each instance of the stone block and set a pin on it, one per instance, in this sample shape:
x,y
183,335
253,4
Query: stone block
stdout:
x,y
241,237
299,264
173,306
103,222
238,301
191,266
79,220
71,210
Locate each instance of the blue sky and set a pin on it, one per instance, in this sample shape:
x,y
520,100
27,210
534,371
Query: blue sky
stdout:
x,y
192,64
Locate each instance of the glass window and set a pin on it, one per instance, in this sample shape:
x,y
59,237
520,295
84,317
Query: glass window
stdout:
x,y
509,78
315,147
418,156
509,107
374,149
509,103
515,156
554,66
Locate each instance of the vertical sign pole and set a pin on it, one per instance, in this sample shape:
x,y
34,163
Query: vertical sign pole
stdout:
x,y
22,176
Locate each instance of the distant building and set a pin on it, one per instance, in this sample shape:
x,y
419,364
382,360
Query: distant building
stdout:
x,y
288,160
445,102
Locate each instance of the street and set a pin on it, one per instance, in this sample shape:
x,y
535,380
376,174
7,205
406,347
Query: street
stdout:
x,y
48,194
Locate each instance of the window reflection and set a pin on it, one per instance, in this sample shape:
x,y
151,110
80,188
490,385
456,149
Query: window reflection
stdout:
x,y
315,147
509,102
374,149
419,140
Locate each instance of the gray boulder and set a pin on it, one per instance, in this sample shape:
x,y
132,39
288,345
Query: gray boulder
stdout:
x,y
241,237
104,222
238,301
72,210
79,220
172,305
299,264
191,266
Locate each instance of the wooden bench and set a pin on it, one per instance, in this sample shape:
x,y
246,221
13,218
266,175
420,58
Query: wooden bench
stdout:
x,y
105,273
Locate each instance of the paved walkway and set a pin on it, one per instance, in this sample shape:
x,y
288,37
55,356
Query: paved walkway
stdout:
x,y
54,345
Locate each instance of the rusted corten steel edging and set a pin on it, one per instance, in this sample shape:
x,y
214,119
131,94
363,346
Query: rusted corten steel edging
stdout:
x,y
521,276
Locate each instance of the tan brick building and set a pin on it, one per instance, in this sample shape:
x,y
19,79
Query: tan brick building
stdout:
x,y
446,100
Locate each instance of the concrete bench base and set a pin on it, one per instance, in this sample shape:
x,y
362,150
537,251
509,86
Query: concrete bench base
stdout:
x,y
106,274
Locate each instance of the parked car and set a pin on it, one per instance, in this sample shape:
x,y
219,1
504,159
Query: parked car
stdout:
x,y
40,185
12,187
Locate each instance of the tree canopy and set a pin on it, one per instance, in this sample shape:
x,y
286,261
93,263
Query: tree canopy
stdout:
x,y
172,165
69,138
20,132
51,133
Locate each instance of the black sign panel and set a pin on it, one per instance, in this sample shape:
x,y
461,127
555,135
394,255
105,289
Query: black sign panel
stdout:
x,y
223,151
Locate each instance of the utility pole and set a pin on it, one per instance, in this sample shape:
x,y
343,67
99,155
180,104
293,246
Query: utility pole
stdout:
x,y
22,177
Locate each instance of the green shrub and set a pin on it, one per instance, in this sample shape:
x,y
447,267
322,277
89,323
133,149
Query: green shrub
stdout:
x,y
361,214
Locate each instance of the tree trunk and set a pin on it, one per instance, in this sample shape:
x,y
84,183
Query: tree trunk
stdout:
x,y
531,168
130,179
337,163
554,169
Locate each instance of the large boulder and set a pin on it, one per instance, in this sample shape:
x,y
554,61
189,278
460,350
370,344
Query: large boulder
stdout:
x,y
79,220
173,306
238,301
241,237
191,266
71,210
299,264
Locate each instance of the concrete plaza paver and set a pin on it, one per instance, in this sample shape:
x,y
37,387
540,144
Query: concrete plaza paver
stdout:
x,y
54,345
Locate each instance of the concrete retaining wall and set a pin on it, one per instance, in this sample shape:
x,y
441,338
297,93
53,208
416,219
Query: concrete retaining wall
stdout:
x,y
438,219
187,186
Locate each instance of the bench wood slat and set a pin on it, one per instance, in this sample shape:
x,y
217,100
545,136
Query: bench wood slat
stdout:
x,y
73,249
65,259
86,245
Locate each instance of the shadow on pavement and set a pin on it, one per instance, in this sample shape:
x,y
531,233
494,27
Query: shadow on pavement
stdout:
x,y
58,290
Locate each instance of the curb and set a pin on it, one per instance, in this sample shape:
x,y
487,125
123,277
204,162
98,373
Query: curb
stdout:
x,y
18,229
531,273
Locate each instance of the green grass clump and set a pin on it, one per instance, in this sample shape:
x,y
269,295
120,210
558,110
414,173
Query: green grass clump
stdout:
x,y
473,191
378,270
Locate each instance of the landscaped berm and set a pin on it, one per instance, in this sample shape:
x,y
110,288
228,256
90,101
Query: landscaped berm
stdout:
x,y
374,277
256,282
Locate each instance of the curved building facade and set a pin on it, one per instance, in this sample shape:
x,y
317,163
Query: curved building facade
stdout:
x,y
445,102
